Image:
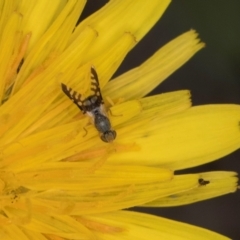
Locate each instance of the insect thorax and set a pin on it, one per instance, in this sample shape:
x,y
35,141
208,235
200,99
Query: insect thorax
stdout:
x,y
91,103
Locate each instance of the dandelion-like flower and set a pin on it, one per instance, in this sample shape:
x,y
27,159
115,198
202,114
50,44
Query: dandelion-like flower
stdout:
x,y
58,180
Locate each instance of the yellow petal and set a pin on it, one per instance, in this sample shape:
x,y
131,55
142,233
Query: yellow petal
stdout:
x,y
118,17
11,232
190,138
131,225
63,226
83,188
108,62
139,81
218,183
50,39
8,46
6,10
33,12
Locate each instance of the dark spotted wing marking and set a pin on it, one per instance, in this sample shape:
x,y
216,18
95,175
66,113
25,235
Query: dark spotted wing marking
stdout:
x,y
95,84
84,104
74,96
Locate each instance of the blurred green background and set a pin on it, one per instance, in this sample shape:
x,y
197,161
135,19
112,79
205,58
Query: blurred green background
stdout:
x,y
213,76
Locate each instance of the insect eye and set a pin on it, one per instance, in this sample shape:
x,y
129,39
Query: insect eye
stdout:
x,y
109,136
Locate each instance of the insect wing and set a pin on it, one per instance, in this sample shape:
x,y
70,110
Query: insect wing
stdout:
x,y
95,84
74,96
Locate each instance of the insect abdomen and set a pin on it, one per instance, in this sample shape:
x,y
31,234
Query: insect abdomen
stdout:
x,y
102,123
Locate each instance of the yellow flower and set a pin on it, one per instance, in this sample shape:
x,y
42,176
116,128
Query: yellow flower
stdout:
x,y
58,180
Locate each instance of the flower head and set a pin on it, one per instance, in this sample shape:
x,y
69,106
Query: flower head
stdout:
x,y
58,180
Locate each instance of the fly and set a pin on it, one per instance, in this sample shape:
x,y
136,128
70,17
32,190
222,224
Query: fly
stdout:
x,y
94,107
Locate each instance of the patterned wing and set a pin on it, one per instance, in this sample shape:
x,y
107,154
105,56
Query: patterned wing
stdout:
x,y
95,84
74,96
